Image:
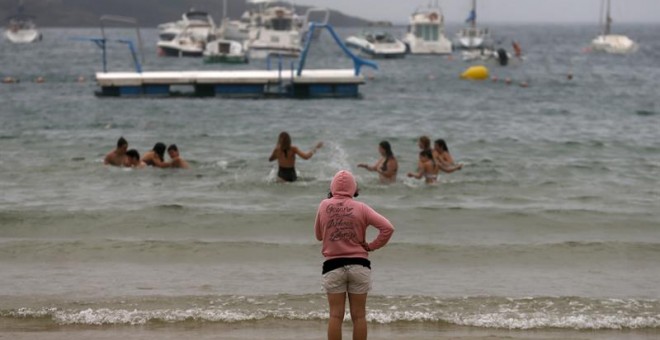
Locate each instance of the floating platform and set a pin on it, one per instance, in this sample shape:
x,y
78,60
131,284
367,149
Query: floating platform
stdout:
x,y
292,82
331,83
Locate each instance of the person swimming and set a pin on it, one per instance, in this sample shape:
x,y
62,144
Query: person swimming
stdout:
x,y
285,154
386,167
177,161
156,156
117,157
133,159
426,168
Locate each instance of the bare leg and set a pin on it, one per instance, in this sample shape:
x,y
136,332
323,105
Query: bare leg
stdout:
x,y
358,307
337,304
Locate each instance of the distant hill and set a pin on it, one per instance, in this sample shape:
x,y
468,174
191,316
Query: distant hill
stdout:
x,y
150,13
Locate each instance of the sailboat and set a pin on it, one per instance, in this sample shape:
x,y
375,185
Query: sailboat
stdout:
x,y
472,37
612,43
223,50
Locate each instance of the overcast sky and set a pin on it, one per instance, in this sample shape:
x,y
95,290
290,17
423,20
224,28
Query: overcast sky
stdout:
x,y
543,11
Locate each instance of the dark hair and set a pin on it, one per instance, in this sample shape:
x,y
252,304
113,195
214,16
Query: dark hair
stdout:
x,y
121,142
442,144
159,149
388,153
284,140
134,154
428,154
356,194
172,147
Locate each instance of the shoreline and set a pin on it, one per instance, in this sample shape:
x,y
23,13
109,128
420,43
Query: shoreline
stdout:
x,y
285,329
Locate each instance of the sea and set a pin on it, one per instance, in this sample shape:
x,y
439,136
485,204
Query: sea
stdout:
x,y
550,230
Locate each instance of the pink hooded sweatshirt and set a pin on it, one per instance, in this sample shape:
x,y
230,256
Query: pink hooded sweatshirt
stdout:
x,y
341,222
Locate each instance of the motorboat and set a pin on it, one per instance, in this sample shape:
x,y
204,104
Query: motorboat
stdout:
x,y
377,45
21,28
169,30
187,37
473,37
223,50
612,43
236,29
274,30
500,55
426,33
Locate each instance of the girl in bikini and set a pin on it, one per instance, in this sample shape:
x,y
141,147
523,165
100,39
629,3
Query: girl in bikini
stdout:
x,y
285,154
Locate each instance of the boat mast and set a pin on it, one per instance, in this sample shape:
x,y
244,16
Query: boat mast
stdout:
x,y
474,10
608,20
224,19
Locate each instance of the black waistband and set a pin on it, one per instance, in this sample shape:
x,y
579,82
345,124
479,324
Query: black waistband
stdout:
x,y
333,264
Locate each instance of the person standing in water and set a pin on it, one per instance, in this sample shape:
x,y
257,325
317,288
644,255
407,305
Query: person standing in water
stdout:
x,y
133,159
443,158
426,168
177,161
117,157
341,225
285,154
387,166
156,156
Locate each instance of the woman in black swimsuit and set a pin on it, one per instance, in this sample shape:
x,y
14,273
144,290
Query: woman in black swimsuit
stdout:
x,y
285,154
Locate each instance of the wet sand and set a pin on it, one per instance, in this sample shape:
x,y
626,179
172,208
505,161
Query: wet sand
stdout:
x,y
284,329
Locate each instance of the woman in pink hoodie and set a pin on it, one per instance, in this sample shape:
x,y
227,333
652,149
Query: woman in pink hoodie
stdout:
x,y
341,225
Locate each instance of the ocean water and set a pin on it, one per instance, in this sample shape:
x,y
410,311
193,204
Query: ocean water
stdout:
x,y
553,222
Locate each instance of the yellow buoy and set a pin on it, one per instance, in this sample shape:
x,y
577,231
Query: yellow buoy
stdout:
x,y
475,73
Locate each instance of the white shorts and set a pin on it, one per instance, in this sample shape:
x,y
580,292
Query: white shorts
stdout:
x,y
354,279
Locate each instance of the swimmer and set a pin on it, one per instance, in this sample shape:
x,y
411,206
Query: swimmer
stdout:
x,y
156,156
426,168
177,161
285,154
387,166
133,159
117,157
443,158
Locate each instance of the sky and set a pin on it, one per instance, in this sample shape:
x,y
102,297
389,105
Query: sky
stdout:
x,y
507,11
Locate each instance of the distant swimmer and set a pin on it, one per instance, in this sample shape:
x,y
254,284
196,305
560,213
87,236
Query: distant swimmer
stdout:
x,y
133,159
386,167
177,161
117,157
285,154
156,156
443,158
426,168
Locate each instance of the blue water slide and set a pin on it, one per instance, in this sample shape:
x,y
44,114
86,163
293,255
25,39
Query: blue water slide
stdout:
x,y
357,61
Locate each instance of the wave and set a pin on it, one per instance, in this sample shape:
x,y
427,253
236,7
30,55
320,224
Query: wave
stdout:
x,y
202,251
482,312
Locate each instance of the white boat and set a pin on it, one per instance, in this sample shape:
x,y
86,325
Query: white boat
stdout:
x,y
236,29
190,35
473,37
426,33
612,43
274,30
21,28
224,50
169,30
377,45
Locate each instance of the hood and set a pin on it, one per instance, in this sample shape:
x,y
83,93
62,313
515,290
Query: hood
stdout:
x,y
343,184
